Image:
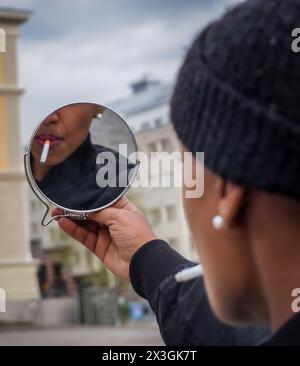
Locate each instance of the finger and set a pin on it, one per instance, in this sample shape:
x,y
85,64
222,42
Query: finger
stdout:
x,y
112,214
103,243
124,203
57,211
90,225
87,223
83,235
106,216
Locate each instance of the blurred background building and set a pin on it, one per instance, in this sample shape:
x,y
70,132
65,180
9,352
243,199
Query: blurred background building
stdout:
x,y
68,269
71,53
146,111
42,262
17,268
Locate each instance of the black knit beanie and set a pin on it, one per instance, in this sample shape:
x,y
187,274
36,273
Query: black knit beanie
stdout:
x,y
237,97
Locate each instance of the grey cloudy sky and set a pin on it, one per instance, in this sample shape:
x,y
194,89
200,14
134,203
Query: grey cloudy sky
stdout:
x,y
90,50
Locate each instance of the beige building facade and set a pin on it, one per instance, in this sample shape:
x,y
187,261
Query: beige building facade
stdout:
x,y
17,268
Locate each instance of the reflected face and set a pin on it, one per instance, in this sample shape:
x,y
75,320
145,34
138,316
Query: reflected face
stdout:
x,y
65,129
72,180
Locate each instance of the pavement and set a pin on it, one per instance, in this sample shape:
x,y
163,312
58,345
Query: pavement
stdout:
x,y
133,335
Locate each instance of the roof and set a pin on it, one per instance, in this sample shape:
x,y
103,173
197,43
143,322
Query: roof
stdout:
x,y
146,94
13,16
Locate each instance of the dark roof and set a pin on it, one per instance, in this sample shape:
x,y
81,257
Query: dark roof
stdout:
x,y
13,16
146,96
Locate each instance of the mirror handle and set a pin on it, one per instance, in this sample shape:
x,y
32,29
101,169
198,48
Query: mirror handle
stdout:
x,y
70,215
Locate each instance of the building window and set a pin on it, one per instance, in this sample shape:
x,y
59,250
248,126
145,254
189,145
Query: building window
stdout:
x,y
158,122
33,206
145,125
171,212
192,246
173,242
154,216
35,228
152,147
166,145
36,248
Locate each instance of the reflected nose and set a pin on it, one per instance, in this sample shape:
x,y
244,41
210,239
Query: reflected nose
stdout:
x,y
53,118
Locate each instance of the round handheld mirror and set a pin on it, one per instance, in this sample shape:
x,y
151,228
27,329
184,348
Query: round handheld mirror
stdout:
x,y
81,158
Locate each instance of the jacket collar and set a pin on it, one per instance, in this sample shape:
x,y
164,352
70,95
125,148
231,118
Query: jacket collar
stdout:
x,y
288,334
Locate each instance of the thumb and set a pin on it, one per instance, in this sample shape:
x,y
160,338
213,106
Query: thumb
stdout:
x,y
124,203
107,216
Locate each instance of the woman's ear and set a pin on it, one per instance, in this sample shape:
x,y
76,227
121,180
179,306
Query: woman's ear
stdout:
x,y
232,202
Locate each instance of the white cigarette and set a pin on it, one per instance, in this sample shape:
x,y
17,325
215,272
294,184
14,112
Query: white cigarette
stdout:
x,y
45,152
189,274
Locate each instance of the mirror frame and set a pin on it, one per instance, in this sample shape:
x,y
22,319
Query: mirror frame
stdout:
x,y
67,212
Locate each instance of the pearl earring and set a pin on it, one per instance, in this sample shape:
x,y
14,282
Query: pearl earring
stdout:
x,y
98,115
218,222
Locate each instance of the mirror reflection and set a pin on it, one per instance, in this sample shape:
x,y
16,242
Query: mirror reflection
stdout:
x,y
82,156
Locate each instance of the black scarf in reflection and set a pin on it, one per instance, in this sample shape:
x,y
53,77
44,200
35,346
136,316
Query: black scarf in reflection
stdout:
x,y
72,183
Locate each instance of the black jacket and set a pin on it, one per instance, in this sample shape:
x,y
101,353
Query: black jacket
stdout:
x,y
72,183
182,309
288,334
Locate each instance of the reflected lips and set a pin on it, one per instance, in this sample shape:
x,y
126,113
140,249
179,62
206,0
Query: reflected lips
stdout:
x,y
47,142
53,139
